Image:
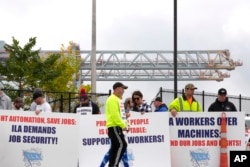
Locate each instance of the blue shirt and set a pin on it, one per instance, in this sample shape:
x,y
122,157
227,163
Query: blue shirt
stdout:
x,y
162,108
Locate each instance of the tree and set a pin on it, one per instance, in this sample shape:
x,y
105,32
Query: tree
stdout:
x,y
68,64
25,69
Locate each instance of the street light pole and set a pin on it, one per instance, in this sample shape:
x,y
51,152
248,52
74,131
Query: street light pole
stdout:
x,y
93,53
175,49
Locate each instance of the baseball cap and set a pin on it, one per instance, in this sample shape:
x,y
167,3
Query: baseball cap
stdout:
x,y
119,84
222,91
158,99
190,86
37,93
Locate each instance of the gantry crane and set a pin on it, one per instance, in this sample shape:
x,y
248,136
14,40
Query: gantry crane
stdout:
x,y
158,65
153,65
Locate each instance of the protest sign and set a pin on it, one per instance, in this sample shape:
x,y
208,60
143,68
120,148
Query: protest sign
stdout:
x,y
44,140
195,137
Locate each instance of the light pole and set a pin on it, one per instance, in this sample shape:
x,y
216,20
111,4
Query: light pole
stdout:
x,y
93,53
175,49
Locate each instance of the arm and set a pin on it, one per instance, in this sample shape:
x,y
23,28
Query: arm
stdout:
x,y
234,108
95,108
210,108
76,108
174,107
9,104
43,108
163,109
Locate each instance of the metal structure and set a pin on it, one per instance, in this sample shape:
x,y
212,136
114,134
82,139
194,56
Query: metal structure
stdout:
x,y
158,65
155,65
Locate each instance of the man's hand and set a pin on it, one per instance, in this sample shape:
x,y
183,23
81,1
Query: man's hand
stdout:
x,y
173,112
126,129
37,112
127,115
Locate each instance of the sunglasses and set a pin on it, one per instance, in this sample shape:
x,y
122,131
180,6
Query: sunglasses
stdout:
x,y
136,98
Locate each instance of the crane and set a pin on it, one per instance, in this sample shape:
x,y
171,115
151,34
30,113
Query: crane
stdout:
x,y
158,65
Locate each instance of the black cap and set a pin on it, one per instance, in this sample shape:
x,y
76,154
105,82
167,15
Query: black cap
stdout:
x,y
158,99
119,84
37,93
222,91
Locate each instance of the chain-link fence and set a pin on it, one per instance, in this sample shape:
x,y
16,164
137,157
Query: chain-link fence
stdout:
x,y
59,101
205,98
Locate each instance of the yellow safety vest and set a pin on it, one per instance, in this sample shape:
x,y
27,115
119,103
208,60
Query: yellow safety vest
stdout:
x,y
181,104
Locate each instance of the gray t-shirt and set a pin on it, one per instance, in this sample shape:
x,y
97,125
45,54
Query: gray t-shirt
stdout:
x,y
5,102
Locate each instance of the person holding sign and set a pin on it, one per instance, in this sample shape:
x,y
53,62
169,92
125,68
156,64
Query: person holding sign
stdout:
x,y
140,105
159,105
222,103
86,102
128,104
41,104
116,125
186,102
18,104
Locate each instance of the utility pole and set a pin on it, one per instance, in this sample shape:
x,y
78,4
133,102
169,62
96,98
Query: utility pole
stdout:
x,y
93,53
175,49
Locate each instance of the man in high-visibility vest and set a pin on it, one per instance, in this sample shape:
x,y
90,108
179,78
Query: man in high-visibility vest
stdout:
x,y
186,102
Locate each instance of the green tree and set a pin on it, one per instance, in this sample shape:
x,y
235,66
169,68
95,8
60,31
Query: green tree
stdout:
x,y
25,69
68,64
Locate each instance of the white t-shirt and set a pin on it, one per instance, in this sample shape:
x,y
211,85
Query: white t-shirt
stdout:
x,y
33,106
45,107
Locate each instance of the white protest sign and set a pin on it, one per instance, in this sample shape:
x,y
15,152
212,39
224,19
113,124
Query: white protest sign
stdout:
x,y
195,137
148,140
44,140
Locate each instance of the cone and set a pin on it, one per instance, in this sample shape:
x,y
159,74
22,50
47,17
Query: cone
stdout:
x,y
223,142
